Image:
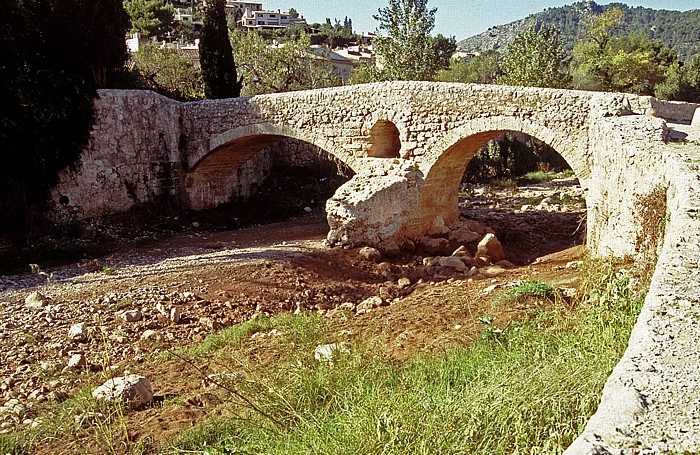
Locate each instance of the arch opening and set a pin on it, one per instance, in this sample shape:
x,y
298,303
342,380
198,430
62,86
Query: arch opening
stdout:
x,y
384,140
261,179
513,183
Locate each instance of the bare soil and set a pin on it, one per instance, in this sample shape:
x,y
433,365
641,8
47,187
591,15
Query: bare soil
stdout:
x,y
221,278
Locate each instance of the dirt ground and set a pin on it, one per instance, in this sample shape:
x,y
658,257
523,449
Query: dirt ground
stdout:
x,y
221,278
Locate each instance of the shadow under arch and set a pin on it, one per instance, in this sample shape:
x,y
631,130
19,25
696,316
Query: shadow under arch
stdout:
x,y
448,160
209,180
238,145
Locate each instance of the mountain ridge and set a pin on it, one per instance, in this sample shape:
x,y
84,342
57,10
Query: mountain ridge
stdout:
x,y
679,30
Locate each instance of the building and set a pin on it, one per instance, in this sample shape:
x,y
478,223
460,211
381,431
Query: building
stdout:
x,y
342,66
252,16
243,6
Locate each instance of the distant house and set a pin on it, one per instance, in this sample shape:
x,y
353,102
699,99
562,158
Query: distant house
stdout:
x,y
183,15
342,66
253,16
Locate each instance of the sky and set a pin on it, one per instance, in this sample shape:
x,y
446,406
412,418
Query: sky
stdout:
x,y
458,18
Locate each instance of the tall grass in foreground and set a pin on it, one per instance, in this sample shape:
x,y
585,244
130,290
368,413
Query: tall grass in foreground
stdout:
x,y
530,390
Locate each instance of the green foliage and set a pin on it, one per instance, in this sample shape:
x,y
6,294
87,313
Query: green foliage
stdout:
x,y
14,444
290,66
682,82
510,156
165,71
216,56
533,288
529,387
151,17
365,73
677,30
335,34
535,58
54,54
407,51
631,63
483,69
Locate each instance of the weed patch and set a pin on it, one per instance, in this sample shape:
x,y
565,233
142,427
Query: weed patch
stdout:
x,y
528,388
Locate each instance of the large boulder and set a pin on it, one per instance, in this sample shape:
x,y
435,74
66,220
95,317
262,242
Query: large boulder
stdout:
x,y
374,206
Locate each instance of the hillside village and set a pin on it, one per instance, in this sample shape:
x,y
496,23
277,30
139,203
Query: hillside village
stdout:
x,y
252,16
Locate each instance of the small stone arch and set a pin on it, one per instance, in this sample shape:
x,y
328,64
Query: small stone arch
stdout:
x,y
445,164
384,140
213,174
249,139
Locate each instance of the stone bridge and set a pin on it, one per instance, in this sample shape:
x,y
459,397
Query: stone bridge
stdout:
x,y
409,144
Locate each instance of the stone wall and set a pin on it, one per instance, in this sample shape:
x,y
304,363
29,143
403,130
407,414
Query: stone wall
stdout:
x,y
651,401
133,157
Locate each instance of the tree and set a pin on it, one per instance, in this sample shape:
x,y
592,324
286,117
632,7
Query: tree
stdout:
x,y
272,69
151,17
54,54
443,49
406,52
216,55
632,63
682,82
482,69
535,58
166,72
293,13
89,36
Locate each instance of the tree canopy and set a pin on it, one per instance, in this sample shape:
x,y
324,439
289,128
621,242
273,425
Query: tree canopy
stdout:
x,y
632,63
268,68
535,58
151,17
407,51
55,52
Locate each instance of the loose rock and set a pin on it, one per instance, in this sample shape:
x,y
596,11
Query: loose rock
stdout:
x,y
132,389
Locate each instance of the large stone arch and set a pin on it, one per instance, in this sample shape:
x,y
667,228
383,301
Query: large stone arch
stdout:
x,y
213,175
444,164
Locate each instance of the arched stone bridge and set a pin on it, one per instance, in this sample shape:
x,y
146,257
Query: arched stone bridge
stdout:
x,y
409,143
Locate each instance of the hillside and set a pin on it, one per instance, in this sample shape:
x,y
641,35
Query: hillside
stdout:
x,y
676,29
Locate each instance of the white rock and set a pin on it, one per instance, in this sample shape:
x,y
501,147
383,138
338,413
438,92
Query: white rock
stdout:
x,y
369,304
77,361
132,389
175,315
328,352
438,227
491,247
78,332
149,335
696,119
404,282
36,300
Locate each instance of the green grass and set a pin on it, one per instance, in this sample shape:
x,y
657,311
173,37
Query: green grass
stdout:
x,y
302,330
529,390
533,288
536,177
14,444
